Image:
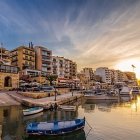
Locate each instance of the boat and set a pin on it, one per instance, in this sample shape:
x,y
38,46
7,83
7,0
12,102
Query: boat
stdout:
x,y
78,135
100,97
55,128
32,111
67,107
125,93
135,90
32,117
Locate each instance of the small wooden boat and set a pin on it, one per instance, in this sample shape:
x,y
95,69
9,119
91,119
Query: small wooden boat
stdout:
x,y
32,117
32,111
67,107
55,128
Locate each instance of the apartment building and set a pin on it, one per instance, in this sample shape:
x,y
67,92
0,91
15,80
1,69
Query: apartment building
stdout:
x,y
119,76
64,68
73,70
131,76
23,57
88,73
43,60
5,56
105,74
59,66
67,68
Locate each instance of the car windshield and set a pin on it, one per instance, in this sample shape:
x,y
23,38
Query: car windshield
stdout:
x,y
48,88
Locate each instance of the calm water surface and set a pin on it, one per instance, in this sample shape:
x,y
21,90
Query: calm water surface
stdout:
x,y
109,121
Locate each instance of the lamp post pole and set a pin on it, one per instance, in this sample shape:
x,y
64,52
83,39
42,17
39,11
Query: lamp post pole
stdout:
x,y
72,89
55,92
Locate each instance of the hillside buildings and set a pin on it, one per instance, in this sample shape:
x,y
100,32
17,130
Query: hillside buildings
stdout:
x,y
34,63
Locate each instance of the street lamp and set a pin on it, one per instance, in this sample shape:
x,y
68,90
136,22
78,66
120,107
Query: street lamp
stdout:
x,y
55,92
72,88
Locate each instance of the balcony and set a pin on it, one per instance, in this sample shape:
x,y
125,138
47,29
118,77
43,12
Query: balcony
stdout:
x,y
46,59
14,54
28,59
14,60
29,53
8,69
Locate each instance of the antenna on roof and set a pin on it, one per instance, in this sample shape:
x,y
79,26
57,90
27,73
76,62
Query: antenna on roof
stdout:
x,y
32,45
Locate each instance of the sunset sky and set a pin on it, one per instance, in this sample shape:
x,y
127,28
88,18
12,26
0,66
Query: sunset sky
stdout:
x,y
93,33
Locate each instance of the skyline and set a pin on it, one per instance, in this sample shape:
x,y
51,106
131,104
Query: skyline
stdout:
x,y
92,33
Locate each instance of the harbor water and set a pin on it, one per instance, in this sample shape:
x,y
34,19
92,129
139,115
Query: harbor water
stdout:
x,y
109,120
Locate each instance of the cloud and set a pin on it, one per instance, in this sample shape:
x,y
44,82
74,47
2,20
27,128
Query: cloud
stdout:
x,y
92,33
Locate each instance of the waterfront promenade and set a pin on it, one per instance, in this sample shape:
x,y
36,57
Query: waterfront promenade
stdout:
x,y
6,100
13,98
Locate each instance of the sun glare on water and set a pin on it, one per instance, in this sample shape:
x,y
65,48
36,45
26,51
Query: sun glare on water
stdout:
x,y
126,65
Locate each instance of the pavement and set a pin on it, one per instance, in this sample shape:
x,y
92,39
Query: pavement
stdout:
x,y
6,100
60,99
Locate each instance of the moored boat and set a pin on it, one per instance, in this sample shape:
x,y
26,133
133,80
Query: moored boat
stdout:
x,y
77,135
125,93
100,97
55,128
67,107
135,90
32,111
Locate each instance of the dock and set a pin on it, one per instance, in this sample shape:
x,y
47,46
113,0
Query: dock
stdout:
x,y
47,101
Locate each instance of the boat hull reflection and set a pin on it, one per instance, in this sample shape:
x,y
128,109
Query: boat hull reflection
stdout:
x,y
78,135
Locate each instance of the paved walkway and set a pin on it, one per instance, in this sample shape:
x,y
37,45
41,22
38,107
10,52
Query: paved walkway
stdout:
x,y
6,100
60,99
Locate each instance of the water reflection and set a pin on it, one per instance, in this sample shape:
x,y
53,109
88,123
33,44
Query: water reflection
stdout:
x,y
91,105
14,123
79,135
110,120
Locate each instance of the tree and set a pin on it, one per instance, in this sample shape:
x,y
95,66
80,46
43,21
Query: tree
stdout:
x,y
51,78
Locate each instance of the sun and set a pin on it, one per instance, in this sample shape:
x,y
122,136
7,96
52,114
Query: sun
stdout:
x,y
126,65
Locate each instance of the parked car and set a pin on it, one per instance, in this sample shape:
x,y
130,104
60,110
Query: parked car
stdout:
x,y
48,88
36,88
